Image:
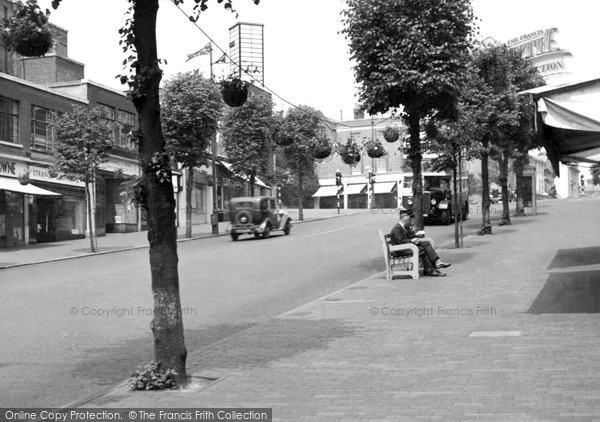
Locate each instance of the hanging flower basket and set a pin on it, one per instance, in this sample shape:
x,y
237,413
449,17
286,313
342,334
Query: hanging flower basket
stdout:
x,y
234,92
24,178
374,148
210,182
350,152
391,134
27,32
322,148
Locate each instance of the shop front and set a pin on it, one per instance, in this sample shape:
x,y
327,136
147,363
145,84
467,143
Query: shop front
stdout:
x,y
19,201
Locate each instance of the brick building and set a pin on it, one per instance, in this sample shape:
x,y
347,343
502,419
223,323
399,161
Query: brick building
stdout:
x,y
49,209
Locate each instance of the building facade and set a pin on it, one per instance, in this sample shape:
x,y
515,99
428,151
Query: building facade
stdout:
x,y
35,206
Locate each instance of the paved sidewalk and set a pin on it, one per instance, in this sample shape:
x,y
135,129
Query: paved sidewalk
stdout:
x,y
113,242
510,334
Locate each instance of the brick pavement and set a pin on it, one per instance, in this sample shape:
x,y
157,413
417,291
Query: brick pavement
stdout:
x,y
510,334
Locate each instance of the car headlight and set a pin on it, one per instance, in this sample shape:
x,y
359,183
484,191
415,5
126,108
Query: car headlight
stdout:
x,y
244,219
409,202
433,202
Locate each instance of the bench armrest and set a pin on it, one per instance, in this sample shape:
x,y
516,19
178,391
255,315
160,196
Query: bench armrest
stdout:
x,y
404,247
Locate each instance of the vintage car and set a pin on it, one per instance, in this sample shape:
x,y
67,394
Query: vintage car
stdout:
x,y
258,216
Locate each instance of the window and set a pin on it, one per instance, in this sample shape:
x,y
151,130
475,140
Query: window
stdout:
x,y
9,120
108,114
126,122
408,182
42,131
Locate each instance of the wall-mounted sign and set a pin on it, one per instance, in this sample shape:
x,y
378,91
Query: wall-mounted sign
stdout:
x,y
43,174
540,47
12,168
130,168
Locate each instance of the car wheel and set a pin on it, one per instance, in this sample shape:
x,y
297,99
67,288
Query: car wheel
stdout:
x,y
287,228
234,236
267,232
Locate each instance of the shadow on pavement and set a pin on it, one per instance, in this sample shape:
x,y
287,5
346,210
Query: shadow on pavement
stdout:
x,y
278,339
576,257
569,293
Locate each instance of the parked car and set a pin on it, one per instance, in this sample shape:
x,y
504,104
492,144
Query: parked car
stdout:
x,y
258,216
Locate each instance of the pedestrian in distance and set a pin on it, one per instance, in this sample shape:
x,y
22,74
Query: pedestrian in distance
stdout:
x,y
403,233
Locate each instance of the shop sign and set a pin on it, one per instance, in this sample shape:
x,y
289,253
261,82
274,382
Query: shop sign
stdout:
x,y
12,168
540,47
43,174
130,168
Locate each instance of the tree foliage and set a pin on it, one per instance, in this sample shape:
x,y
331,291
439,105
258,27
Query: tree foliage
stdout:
x,y
301,128
248,136
191,107
410,56
83,142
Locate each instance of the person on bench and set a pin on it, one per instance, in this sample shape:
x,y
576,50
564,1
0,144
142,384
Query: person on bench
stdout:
x,y
404,233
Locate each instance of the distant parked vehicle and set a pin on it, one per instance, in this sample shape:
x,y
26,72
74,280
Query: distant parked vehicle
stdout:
x,y
258,216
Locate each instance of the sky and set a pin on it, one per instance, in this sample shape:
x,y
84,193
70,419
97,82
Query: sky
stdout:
x,y
306,58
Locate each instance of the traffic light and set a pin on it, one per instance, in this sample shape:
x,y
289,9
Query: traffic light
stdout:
x,y
371,178
338,178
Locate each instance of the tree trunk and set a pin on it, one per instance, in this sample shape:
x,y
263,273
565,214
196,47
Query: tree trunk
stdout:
x,y
167,323
503,179
520,201
300,195
91,204
486,222
189,184
416,158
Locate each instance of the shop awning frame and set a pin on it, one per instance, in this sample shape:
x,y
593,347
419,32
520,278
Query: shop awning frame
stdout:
x,y
355,189
326,191
384,187
13,185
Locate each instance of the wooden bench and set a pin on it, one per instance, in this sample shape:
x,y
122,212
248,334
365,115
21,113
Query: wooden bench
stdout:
x,y
405,265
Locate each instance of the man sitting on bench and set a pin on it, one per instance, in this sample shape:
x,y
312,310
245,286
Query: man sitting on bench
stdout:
x,y
404,233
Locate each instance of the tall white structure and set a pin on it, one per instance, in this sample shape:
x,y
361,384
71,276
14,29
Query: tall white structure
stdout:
x,y
246,46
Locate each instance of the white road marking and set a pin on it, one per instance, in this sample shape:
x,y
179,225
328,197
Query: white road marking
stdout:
x,y
329,231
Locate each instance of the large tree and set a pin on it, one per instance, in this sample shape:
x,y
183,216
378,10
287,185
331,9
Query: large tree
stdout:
x,y
84,140
298,133
509,130
411,55
190,111
247,133
156,189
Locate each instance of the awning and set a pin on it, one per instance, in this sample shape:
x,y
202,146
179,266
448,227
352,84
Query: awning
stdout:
x,y
326,191
13,185
568,121
354,189
384,187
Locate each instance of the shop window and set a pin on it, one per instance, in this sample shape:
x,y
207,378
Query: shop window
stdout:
x,y
42,131
9,120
